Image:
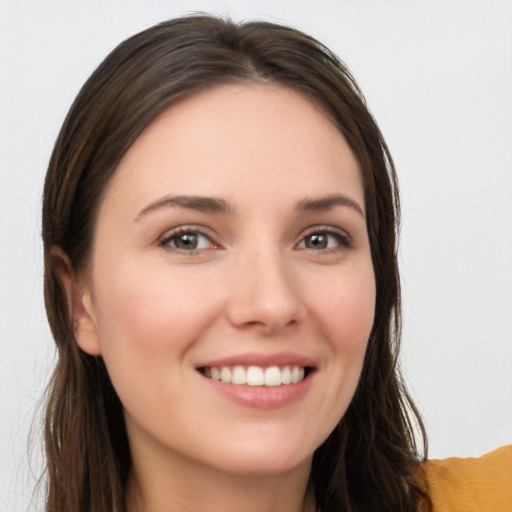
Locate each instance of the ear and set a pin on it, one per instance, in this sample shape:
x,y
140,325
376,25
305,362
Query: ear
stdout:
x,y
80,304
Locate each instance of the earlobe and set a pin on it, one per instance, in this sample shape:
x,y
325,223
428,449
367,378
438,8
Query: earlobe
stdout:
x,y
79,302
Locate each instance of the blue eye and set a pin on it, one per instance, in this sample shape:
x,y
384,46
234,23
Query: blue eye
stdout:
x,y
184,240
325,240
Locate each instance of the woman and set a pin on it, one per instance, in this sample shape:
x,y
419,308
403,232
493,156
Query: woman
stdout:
x,y
219,222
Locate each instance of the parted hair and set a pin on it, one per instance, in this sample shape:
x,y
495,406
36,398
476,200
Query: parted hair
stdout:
x,y
369,460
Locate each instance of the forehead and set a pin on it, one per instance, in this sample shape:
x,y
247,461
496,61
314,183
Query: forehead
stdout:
x,y
236,140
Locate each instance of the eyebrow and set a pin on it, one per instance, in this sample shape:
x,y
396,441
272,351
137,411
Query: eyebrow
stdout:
x,y
199,203
218,205
323,204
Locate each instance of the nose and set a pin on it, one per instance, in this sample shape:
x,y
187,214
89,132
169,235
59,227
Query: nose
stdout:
x,y
263,293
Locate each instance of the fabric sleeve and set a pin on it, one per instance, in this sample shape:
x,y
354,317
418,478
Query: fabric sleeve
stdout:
x,y
482,484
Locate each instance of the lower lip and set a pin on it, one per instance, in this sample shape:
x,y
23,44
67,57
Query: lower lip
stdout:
x,y
262,397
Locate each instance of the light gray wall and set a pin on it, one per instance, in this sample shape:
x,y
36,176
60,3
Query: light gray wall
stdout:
x,y
438,77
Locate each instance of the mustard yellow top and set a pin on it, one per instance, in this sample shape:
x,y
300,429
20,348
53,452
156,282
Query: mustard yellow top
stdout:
x,y
482,484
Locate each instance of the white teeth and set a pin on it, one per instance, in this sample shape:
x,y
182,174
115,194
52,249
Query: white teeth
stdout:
x,y
239,375
225,375
295,375
272,376
255,375
286,375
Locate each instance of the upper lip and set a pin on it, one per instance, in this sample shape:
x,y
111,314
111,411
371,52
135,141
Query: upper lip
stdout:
x,y
259,359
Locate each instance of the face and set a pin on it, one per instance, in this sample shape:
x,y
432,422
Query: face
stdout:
x,y
231,244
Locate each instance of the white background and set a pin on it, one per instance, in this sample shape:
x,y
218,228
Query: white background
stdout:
x,y
438,78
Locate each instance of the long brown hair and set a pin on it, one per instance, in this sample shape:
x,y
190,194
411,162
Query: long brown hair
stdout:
x,y
368,461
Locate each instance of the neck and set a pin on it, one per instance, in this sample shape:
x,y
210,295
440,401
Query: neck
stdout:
x,y
160,486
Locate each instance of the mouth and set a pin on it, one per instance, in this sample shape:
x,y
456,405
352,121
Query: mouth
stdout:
x,y
271,376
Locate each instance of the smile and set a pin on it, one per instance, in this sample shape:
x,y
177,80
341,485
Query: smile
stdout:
x,y
272,376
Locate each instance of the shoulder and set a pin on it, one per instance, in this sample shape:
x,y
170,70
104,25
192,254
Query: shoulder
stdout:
x,y
482,484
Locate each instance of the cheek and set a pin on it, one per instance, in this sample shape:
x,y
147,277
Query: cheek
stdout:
x,y
347,307
348,311
344,313
144,305
146,321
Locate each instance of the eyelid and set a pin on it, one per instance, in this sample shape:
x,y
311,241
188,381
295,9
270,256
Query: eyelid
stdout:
x,y
346,240
194,229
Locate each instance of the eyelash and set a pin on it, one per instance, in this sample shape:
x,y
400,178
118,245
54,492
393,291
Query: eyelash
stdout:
x,y
175,234
343,240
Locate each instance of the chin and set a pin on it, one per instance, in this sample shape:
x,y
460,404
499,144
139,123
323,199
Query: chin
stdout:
x,y
265,457
266,465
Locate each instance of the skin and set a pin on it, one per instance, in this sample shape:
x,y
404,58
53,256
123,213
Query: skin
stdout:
x,y
256,283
